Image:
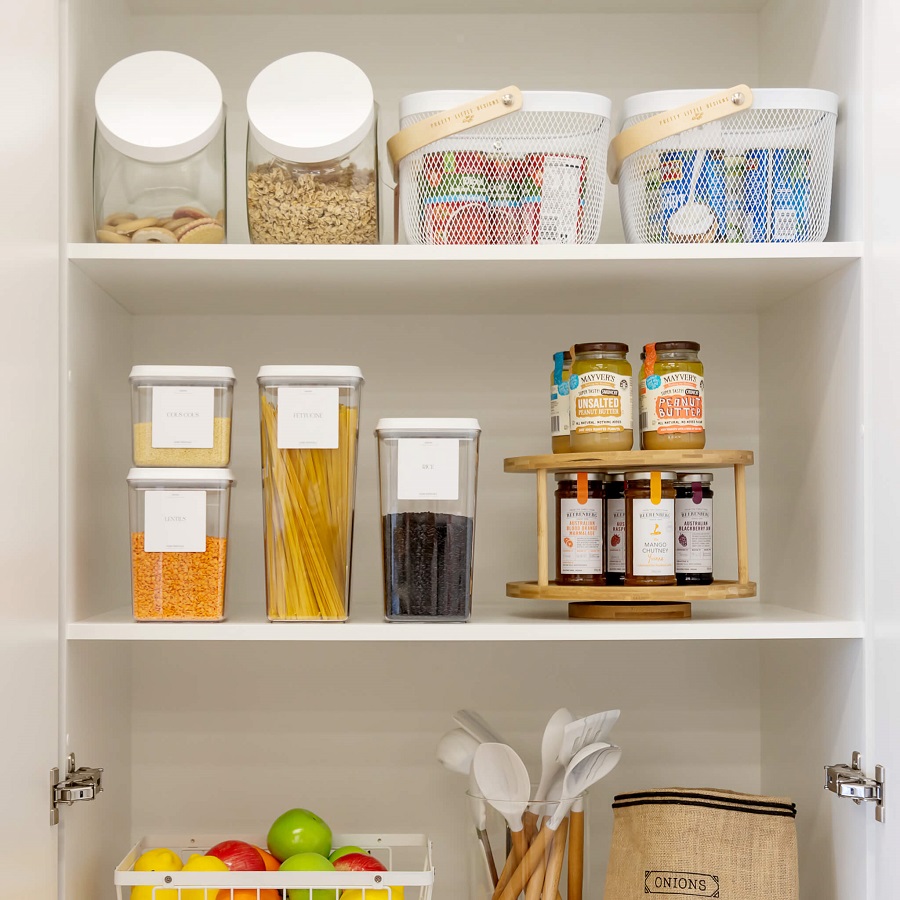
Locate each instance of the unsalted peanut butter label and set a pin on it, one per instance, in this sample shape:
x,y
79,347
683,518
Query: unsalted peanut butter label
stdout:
x,y
600,402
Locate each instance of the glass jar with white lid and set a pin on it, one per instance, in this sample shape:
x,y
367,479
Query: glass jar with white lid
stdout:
x,y
159,152
311,153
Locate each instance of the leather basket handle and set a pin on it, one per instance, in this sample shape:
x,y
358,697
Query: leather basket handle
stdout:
x,y
675,121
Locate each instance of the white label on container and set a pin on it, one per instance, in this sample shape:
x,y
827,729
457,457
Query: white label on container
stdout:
x,y
174,521
427,469
559,410
615,535
308,418
672,403
653,531
694,524
182,417
560,199
600,403
581,537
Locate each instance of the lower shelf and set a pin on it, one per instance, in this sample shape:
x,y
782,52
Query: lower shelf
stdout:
x,y
718,590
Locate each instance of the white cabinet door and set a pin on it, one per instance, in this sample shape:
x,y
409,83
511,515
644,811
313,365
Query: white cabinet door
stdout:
x,y
29,444
882,330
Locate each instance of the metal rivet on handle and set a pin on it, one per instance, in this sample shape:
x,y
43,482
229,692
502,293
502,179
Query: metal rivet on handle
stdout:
x,y
377,879
507,99
737,98
168,879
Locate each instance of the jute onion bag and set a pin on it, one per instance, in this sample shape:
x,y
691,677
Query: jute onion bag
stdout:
x,y
680,843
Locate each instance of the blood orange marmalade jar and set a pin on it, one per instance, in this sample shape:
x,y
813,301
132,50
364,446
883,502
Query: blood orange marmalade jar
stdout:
x,y
671,397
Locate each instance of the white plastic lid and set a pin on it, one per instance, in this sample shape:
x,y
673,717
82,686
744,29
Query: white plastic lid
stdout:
x,y
433,425
183,373
159,106
763,98
179,476
310,107
532,101
309,372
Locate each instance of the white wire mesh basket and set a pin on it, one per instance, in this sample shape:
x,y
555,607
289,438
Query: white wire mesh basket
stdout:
x,y
408,858
758,175
536,175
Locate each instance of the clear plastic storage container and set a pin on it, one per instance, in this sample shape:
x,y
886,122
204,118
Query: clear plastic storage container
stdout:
x,y
428,480
311,153
159,152
181,415
309,424
179,543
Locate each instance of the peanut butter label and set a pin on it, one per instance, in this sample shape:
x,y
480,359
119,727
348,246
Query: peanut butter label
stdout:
x,y
600,402
672,403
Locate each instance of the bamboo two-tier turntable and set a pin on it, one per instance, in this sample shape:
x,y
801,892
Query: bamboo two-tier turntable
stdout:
x,y
669,602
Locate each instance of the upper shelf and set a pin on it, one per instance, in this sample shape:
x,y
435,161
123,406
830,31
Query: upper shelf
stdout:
x,y
511,621
391,7
243,278
630,459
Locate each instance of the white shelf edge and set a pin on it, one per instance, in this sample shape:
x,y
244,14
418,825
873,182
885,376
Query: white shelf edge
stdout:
x,y
520,621
836,250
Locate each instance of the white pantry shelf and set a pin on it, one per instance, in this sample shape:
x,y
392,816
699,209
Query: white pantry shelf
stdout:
x,y
728,620
385,279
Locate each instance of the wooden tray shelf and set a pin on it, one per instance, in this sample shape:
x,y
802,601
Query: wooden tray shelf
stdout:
x,y
633,602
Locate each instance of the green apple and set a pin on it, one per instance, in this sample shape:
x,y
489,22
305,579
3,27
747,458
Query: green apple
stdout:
x,y
308,862
298,831
343,851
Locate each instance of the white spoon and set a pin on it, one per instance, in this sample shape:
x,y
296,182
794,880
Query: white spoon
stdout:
x,y
503,782
589,730
471,721
551,744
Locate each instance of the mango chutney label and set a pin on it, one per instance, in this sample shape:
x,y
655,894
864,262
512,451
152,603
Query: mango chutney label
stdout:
x,y
672,403
600,402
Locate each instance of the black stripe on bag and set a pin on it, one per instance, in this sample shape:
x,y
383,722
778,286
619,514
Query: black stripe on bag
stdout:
x,y
715,798
786,814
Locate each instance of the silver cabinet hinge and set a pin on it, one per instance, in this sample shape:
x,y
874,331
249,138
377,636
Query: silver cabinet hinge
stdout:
x,y
79,784
849,781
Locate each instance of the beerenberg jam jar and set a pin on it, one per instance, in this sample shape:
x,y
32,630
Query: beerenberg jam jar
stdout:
x,y
579,528
649,528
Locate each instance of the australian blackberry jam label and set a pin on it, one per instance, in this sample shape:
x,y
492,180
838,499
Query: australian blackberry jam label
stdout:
x,y
694,527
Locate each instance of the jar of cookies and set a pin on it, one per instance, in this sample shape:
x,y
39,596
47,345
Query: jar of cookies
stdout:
x,y
159,152
311,153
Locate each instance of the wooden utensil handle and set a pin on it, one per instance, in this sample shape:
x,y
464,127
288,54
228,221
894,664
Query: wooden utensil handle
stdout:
x,y
526,867
576,857
512,861
531,826
554,865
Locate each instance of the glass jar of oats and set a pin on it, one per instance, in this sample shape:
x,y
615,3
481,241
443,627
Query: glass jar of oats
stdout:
x,y
671,397
311,153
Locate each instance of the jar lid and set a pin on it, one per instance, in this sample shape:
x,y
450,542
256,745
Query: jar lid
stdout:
x,y
567,355
668,346
310,107
646,476
178,476
618,475
303,373
573,476
159,106
602,347
183,373
430,425
702,477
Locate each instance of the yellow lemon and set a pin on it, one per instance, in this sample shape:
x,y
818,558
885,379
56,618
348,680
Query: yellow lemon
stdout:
x,y
159,860
394,893
145,892
198,863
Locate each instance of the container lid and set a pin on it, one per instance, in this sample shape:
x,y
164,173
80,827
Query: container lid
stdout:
x,y
646,476
573,476
310,107
186,373
140,476
601,347
159,106
532,101
763,98
702,477
348,373
668,346
435,425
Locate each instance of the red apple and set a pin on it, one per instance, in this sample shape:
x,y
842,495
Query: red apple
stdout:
x,y
239,856
358,862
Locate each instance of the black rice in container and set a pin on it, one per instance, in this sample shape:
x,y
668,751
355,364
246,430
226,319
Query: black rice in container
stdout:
x,y
428,472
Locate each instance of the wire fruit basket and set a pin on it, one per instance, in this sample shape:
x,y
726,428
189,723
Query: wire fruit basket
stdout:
x,y
511,167
408,858
740,166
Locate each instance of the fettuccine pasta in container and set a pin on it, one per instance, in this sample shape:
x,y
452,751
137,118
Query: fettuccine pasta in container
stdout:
x,y
309,429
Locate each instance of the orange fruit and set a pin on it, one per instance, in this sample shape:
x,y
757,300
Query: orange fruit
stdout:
x,y
272,864
248,894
